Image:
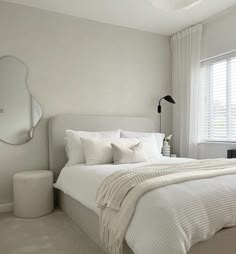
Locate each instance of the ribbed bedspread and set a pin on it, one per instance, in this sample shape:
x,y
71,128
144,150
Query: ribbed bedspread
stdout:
x,y
120,192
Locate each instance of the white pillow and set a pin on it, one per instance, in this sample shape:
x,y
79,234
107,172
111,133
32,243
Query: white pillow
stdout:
x,y
127,155
148,143
159,137
99,151
150,147
73,145
126,142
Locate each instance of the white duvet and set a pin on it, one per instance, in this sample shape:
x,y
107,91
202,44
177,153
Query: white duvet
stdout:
x,y
81,181
160,216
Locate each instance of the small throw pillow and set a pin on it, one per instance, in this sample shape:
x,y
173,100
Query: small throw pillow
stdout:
x,y
97,151
128,155
73,144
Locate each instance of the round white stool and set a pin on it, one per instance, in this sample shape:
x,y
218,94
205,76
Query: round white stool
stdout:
x,y
33,193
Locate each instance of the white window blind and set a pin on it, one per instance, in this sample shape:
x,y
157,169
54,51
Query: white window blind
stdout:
x,y
218,99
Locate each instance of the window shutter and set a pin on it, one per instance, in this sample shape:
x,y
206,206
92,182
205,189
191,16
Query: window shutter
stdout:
x,y
218,105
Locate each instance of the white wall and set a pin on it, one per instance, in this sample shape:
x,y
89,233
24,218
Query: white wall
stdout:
x,y
79,66
219,37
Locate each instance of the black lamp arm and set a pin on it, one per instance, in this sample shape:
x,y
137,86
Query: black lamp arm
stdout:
x,y
159,105
161,100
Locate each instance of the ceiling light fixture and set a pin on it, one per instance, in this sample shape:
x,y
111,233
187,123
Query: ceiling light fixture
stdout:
x,y
170,5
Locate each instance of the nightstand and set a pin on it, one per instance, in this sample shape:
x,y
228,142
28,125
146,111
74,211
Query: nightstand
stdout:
x,y
33,193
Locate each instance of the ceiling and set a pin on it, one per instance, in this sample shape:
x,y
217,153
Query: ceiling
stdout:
x,y
138,14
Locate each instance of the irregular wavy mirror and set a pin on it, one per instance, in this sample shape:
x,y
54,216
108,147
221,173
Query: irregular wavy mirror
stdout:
x,y
19,111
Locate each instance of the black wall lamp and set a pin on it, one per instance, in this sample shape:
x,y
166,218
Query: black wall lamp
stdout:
x,y
167,98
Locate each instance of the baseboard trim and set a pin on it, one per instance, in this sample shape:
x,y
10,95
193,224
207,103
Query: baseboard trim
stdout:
x,y
6,208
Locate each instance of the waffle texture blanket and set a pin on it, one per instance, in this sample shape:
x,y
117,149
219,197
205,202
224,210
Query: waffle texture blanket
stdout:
x,y
180,225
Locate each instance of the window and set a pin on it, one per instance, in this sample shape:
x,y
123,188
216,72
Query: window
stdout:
x,y
218,105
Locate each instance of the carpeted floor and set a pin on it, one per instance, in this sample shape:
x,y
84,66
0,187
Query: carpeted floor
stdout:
x,y
51,234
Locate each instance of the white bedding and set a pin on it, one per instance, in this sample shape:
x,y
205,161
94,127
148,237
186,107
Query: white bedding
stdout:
x,y
162,217
82,181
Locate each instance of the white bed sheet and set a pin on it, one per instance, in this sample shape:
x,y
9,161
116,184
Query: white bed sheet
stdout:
x,y
82,181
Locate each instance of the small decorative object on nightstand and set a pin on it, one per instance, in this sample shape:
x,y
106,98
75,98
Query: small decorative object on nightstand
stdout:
x,y
33,193
166,146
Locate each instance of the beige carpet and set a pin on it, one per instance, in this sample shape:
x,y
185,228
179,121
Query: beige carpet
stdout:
x,y
51,234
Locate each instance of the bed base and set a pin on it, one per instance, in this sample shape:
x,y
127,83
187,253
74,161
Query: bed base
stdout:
x,y
84,218
222,242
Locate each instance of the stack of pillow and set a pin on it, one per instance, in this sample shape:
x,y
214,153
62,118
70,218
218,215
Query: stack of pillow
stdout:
x,y
118,146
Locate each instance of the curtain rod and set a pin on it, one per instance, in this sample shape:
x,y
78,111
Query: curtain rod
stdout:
x,y
212,57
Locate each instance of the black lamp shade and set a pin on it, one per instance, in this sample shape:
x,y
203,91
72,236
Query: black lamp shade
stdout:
x,y
169,99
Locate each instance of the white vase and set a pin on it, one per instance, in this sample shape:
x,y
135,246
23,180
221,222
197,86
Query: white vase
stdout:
x,y
166,149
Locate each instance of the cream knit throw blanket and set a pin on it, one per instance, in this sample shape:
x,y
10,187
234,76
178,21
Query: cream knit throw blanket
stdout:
x,y
119,193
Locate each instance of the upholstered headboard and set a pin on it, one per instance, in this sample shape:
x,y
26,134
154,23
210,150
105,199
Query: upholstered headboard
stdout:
x,y
58,125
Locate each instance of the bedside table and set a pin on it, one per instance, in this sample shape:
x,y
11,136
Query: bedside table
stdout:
x,y
33,193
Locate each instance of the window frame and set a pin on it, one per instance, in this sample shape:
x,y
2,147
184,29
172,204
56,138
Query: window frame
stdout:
x,y
203,94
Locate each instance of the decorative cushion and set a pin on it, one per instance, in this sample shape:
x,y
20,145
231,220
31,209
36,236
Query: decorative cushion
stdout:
x,y
97,151
73,145
127,155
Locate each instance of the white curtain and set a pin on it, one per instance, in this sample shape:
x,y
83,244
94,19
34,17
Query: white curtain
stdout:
x,y
186,50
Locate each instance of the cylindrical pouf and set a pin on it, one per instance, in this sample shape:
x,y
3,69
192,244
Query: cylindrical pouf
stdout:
x,y
33,193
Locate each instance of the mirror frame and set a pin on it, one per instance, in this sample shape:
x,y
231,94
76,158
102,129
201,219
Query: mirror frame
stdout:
x,y
26,84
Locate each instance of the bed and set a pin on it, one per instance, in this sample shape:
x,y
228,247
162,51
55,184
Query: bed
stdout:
x,y
86,218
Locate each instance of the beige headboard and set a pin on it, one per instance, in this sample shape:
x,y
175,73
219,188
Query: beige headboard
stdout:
x,y
58,125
